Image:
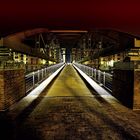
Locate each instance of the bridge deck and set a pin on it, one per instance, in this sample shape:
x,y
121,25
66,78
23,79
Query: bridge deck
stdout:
x,y
69,110
69,83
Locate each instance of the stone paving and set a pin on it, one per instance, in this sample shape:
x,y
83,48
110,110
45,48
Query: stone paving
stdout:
x,y
69,110
78,118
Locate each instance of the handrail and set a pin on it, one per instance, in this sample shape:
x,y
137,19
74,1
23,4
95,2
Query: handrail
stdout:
x,y
103,78
34,78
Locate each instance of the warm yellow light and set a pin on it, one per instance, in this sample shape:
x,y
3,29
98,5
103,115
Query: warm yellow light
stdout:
x,y
136,42
50,62
111,63
43,61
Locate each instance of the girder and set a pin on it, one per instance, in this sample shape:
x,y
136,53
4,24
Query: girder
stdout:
x,y
15,42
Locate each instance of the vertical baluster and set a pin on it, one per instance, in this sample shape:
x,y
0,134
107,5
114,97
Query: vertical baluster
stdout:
x,y
33,79
38,75
92,70
104,78
99,76
95,74
42,74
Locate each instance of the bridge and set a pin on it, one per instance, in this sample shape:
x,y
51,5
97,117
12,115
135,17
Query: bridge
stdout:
x,y
68,73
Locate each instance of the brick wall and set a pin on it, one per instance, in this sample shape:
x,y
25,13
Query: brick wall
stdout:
x,y
136,89
2,100
126,87
123,86
12,87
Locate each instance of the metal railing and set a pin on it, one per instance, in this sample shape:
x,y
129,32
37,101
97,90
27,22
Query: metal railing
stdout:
x,y
34,78
103,78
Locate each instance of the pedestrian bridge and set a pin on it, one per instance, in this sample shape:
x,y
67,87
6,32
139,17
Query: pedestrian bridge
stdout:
x,y
68,108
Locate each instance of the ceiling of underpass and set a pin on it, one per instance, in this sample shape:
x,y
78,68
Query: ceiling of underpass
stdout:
x,y
23,15
72,23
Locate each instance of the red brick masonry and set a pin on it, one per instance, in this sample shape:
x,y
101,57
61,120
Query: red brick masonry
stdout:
x,y
12,87
126,87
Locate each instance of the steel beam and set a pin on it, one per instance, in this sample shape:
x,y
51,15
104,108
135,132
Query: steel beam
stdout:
x,y
14,42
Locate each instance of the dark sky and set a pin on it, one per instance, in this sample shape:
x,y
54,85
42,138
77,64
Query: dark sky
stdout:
x,y
18,15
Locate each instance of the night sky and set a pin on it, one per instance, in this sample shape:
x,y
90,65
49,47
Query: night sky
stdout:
x,y
18,15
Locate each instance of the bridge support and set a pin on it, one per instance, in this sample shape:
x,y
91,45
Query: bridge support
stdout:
x,y
12,87
126,84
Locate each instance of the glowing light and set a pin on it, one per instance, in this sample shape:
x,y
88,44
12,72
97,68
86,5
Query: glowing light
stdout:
x,y
111,63
136,42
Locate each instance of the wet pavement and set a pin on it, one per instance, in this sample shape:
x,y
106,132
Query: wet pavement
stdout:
x,y
70,110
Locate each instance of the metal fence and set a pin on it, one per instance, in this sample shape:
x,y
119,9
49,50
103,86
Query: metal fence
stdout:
x,y
103,78
34,78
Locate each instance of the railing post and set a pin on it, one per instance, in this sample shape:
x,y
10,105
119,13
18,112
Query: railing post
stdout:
x,y
86,70
33,79
95,74
90,72
42,73
38,75
104,78
99,76
45,72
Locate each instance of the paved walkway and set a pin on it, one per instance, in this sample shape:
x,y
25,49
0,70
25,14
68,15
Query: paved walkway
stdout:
x,y
69,110
68,84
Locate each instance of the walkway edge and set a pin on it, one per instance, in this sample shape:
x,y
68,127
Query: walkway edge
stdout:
x,y
17,108
101,91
